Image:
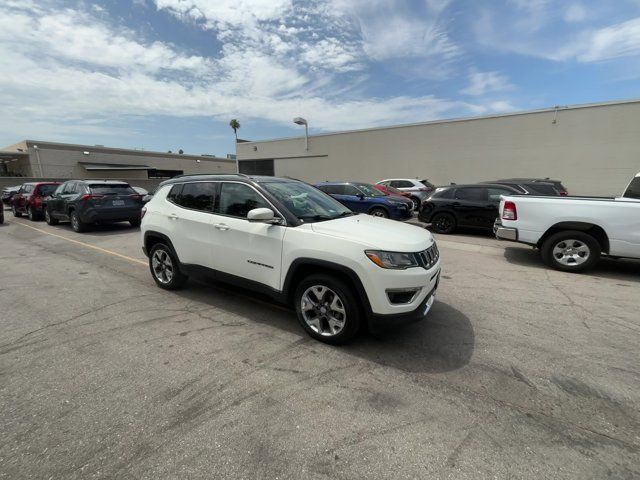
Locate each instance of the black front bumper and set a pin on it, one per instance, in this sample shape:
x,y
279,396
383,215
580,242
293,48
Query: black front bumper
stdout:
x,y
380,323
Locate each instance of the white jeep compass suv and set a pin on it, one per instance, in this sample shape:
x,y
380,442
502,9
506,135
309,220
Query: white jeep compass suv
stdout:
x,y
341,271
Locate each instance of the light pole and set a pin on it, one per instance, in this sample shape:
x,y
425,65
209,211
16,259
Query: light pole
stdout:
x,y
302,121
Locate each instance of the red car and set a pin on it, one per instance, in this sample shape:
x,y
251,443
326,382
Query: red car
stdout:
x,y
394,192
28,200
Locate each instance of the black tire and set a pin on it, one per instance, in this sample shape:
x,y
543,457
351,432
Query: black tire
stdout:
x,y
78,225
15,212
135,222
33,216
443,223
379,212
178,278
560,253
416,204
347,300
49,218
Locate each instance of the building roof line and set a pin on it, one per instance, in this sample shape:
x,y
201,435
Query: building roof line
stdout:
x,y
560,108
100,148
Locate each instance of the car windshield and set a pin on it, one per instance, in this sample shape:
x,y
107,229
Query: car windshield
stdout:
x,y
369,190
306,202
45,190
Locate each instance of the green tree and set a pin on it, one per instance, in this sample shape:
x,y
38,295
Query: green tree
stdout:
x,y
235,125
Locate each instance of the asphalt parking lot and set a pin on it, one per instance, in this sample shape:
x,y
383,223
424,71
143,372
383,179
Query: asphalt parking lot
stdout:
x,y
519,372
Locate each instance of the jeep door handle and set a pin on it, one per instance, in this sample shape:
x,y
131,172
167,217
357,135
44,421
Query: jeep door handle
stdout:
x,y
173,216
221,226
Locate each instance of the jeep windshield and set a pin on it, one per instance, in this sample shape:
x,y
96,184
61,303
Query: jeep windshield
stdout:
x,y
306,202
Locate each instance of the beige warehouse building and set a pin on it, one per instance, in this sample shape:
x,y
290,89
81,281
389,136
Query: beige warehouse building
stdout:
x,y
32,160
594,149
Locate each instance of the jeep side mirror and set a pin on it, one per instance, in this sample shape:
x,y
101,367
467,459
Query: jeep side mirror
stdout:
x,y
262,215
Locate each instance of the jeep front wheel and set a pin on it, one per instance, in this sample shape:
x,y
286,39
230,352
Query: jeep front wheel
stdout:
x,y
328,309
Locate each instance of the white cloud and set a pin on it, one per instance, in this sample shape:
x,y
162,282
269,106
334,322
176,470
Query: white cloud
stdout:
x,y
576,12
481,83
615,41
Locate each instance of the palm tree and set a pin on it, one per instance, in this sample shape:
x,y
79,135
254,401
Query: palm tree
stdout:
x,y
235,124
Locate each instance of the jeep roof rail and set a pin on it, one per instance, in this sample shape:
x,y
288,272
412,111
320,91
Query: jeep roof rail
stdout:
x,y
182,175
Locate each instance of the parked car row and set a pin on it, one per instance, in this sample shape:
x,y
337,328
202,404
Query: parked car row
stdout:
x,y
82,203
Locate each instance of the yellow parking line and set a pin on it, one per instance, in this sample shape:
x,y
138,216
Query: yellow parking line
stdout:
x,y
88,245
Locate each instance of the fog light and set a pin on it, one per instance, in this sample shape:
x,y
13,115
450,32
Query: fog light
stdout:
x,y
399,296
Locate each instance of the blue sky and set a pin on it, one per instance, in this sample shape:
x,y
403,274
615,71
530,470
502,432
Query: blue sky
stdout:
x,y
170,74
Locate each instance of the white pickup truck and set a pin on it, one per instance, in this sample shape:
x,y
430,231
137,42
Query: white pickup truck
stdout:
x,y
573,232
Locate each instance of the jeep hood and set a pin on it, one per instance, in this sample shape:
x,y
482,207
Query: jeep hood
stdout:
x,y
377,233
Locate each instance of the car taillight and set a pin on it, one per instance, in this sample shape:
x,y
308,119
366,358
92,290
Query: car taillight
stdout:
x,y
509,211
563,193
37,201
135,196
89,196
142,212
424,189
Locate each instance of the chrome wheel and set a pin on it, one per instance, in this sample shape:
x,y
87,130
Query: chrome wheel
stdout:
x,y
416,204
47,216
323,310
571,252
75,223
378,212
162,266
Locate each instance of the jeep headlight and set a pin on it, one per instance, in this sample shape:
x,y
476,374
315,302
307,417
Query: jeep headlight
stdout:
x,y
394,260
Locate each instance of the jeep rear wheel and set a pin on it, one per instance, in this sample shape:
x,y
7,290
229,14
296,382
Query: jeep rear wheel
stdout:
x,y
328,309
165,268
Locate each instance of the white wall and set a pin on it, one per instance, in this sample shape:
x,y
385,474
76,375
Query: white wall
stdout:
x,y
593,150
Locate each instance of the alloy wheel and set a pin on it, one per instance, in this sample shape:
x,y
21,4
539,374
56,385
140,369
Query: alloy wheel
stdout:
x,y
571,252
323,310
162,266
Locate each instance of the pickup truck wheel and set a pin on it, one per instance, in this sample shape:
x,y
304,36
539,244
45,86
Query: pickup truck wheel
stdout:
x,y
15,212
77,224
328,309
570,251
379,212
48,218
443,223
165,268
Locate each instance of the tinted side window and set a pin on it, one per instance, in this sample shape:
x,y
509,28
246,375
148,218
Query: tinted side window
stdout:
x,y
541,189
633,190
197,196
446,193
174,193
69,188
236,199
494,193
474,194
401,184
350,190
327,189
59,190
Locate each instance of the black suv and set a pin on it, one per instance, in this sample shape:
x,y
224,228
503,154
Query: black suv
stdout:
x,y
86,202
535,186
455,206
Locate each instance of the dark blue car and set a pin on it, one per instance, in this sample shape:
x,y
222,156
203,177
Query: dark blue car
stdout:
x,y
365,198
